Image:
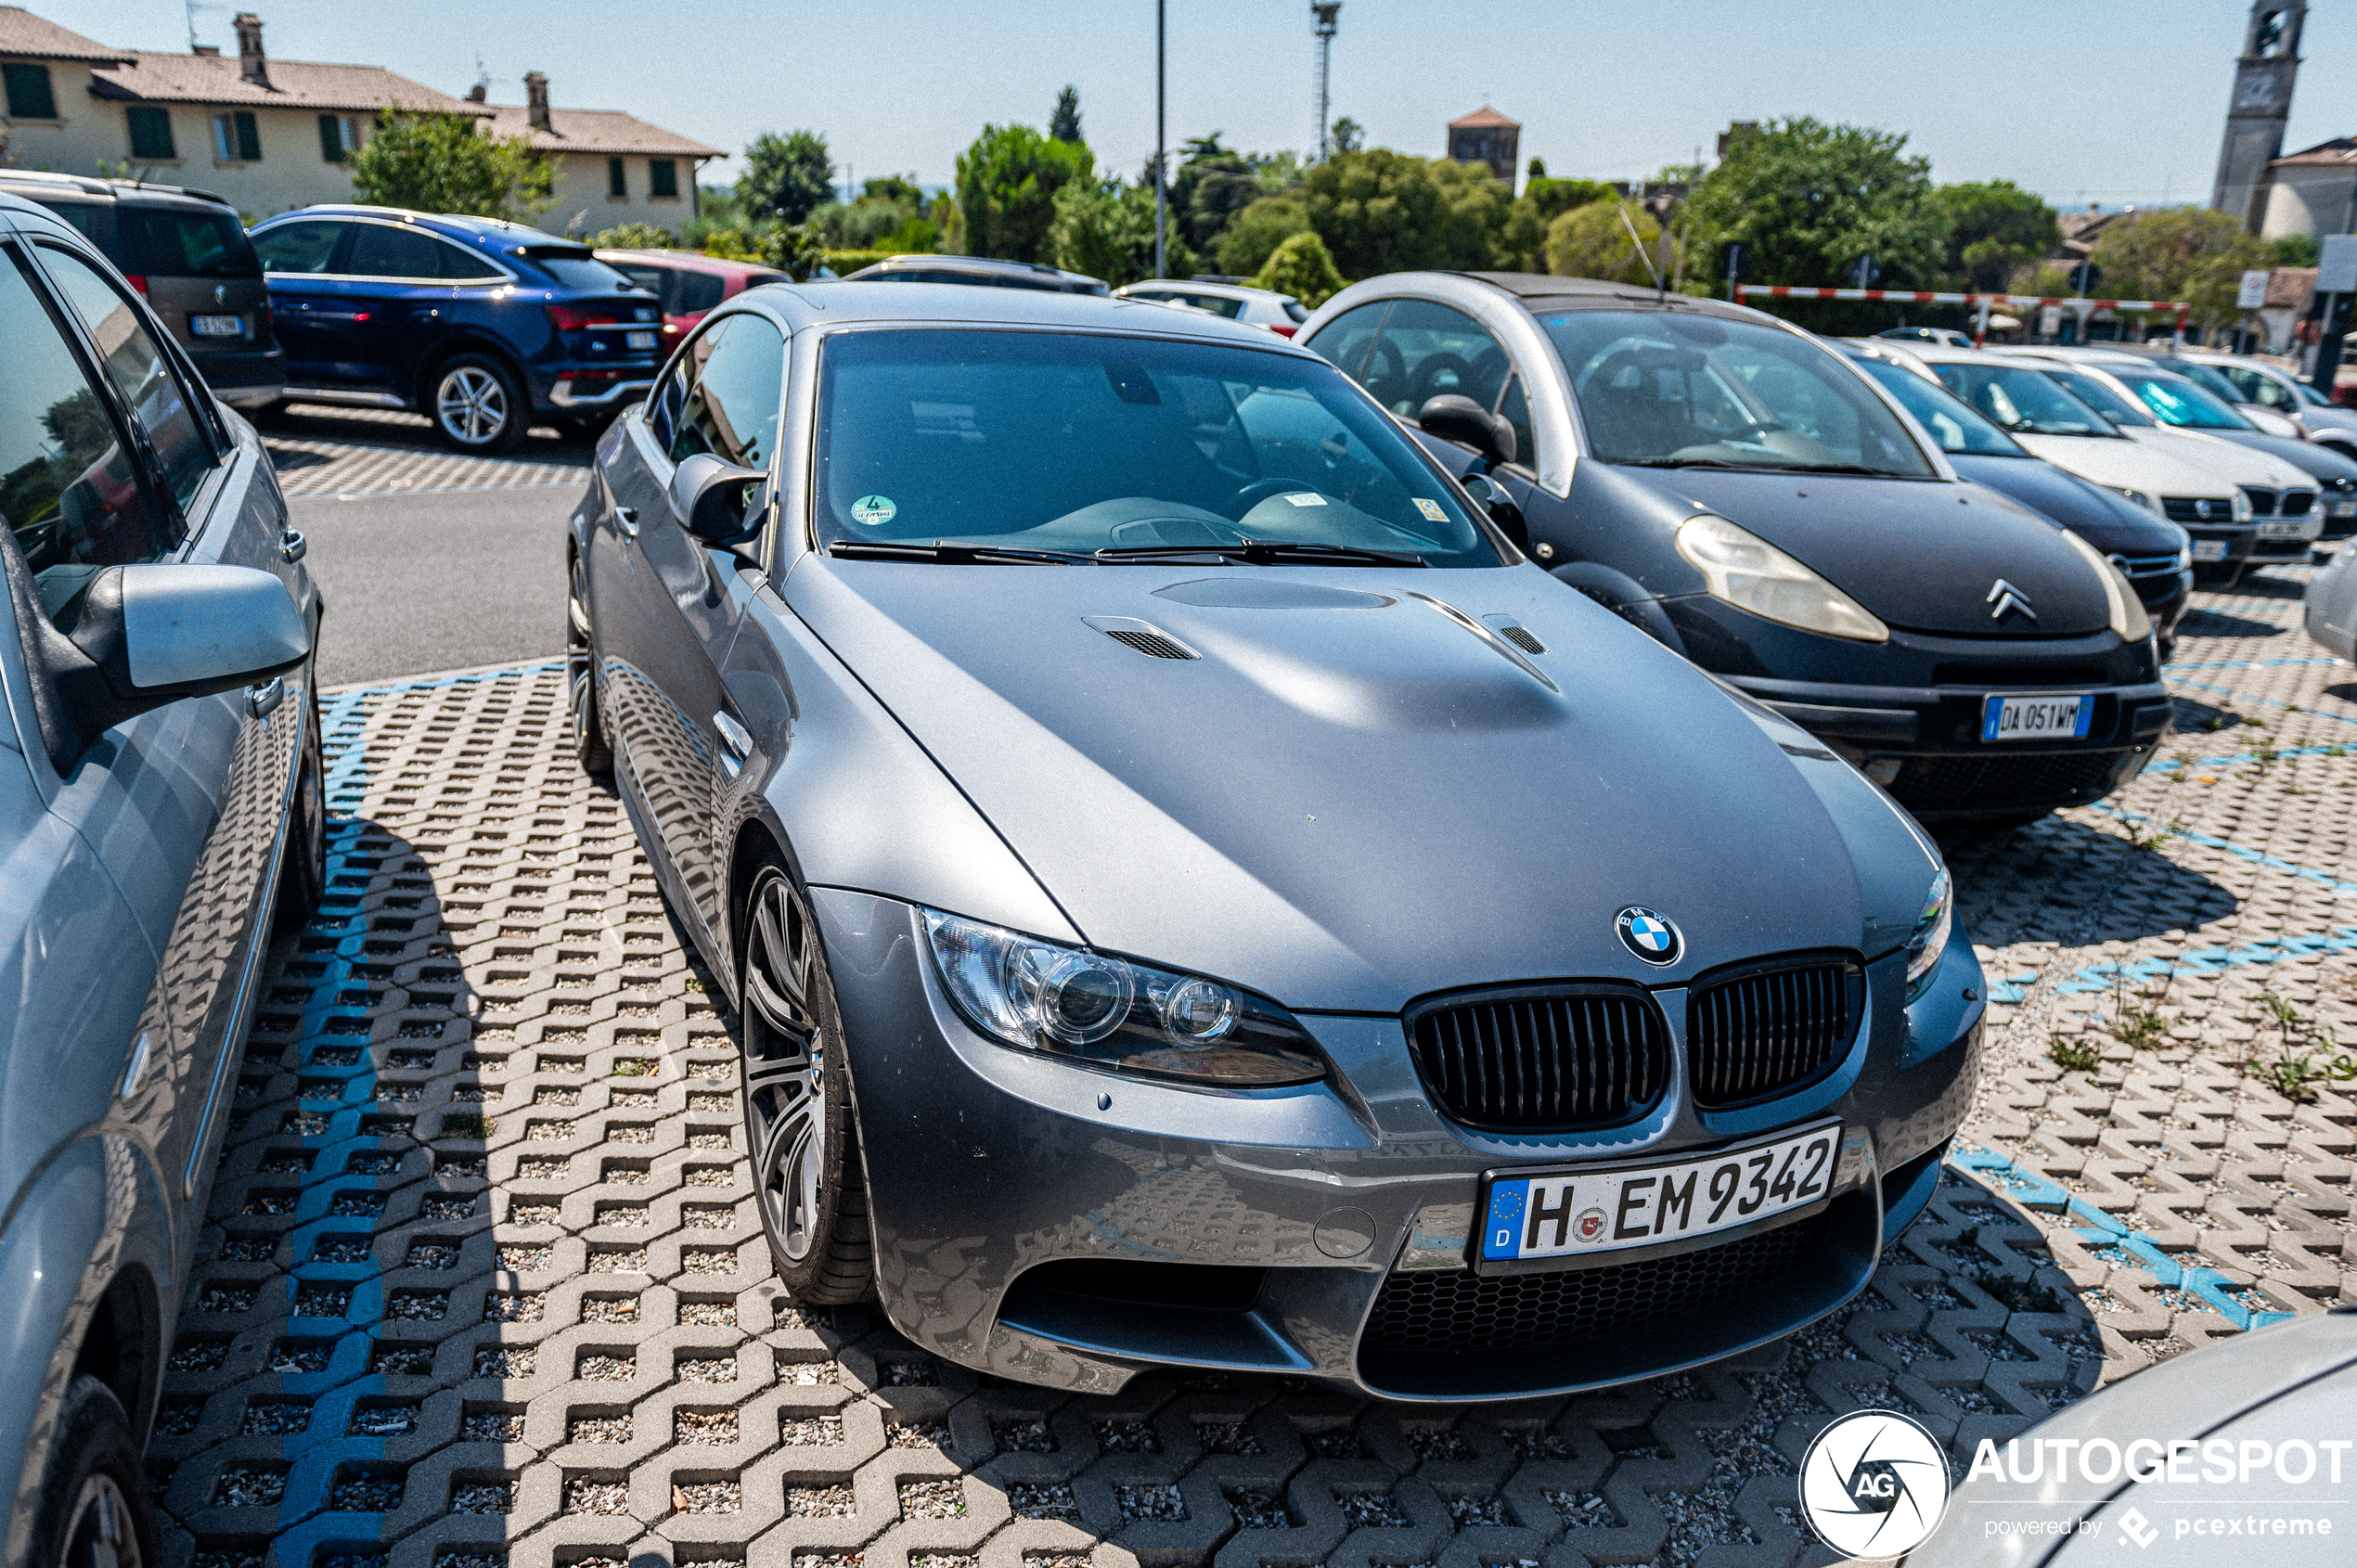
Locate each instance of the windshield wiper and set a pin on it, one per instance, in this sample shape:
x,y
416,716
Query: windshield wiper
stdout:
x,y
1841,468
1267,552
946,550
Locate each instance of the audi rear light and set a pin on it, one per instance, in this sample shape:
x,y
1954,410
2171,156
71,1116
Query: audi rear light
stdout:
x,y
137,280
578,319
1283,329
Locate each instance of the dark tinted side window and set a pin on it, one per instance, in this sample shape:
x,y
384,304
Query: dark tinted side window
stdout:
x,y
697,291
662,282
70,490
1346,340
299,247
179,242
383,251
732,410
141,372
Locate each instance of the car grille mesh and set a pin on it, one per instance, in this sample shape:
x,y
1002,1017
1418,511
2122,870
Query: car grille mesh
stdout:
x,y
1520,637
1760,1034
2262,501
1968,783
1457,1309
1578,1055
1152,644
2295,503
2189,508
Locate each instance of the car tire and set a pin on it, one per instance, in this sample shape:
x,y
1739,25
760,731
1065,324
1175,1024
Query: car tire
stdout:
x,y
302,877
478,406
93,1510
809,1184
590,747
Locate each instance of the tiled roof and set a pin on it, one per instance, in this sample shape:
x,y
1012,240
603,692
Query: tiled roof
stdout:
x,y
29,37
1483,117
214,78
594,130
2336,153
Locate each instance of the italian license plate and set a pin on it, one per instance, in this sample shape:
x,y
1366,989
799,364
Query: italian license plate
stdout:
x,y
2063,717
638,339
2289,528
2210,549
217,326
2345,509
1576,1213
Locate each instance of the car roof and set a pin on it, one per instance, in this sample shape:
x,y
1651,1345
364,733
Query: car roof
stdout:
x,y
454,225
1202,286
26,216
979,265
695,260
847,303
45,183
1543,291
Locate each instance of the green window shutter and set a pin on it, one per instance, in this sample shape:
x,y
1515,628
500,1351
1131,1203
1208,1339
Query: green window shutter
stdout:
x,y
151,134
249,139
662,177
29,93
616,184
330,140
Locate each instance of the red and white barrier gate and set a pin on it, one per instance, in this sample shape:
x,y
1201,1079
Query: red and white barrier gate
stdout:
x,y
1925,296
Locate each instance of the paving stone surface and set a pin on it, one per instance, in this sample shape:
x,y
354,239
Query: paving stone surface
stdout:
x,y
482,1285
323,451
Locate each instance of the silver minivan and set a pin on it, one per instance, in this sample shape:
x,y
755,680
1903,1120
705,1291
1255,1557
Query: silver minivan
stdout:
x,y
161,808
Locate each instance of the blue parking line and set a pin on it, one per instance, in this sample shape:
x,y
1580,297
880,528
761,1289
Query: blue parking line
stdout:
x,y
2174,764
2268,701
2032,1192
2249,664
2258,858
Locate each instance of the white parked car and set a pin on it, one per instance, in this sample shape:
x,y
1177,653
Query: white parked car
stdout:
x,y
1238,301
2199,483
2268,421
2279,390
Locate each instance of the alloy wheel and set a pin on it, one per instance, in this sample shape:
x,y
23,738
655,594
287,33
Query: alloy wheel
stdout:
x,y
579,677
785,1065
472,405
102,1534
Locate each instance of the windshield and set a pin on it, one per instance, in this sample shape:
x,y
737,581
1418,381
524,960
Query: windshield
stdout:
x,y
2101,398
2176,401
579,269
2215,382
2310,396
1666,390
175,242
2025,402
1073,443
1949,420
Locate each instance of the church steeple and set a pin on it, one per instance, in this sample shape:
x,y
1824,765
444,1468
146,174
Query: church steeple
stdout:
x,y
2260,105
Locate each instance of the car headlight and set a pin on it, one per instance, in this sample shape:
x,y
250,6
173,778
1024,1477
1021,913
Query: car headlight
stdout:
x,y
2238,506
2128,621
1750,573
2185,557
1932,927
1108,1012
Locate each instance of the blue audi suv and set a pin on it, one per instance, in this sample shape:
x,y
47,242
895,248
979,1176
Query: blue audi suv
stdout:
x,y
482,325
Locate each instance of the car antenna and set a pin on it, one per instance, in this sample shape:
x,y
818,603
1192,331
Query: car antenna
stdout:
x,y
1639,244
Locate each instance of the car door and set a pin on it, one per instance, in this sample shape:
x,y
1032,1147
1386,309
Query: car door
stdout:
x,y
406,277
660,600
308,305
183,804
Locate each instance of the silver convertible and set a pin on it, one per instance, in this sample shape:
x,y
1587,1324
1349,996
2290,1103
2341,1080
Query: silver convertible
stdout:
x,y
1194,893
161,799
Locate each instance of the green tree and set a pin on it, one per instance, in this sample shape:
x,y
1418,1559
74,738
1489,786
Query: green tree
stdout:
x,y
1254,235
636,237
1106,229
1064,124
442,164
1538,169
786,178
1007,186
1522,241
2293,251
1383,211
793,249
1812,198
2182,253
1347,134
1211,185
1593,240
1993,229
1303,267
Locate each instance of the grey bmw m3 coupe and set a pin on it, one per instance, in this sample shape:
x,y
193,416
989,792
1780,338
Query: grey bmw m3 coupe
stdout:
x,y
1193,893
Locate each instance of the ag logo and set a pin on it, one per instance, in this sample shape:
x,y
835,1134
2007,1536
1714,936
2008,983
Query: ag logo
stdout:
x,y
1874,1485
1649,935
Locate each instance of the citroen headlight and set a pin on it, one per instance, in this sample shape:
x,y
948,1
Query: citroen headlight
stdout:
x,y
1108,1012
2238,506
2128,621
1750,573
1931,939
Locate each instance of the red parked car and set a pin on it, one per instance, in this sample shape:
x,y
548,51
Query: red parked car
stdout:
x,y
688,282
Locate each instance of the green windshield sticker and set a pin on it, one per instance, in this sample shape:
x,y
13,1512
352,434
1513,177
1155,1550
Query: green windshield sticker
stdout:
x,y
874,511
1431,509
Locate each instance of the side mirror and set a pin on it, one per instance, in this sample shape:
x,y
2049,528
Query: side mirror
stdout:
x,y
157,634
1454,417
712,497
1492,498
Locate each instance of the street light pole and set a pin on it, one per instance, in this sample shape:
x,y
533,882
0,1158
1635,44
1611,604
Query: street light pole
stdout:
x,y
1162,182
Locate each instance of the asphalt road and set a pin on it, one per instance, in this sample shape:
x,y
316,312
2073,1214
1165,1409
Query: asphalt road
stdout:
x,y
421,584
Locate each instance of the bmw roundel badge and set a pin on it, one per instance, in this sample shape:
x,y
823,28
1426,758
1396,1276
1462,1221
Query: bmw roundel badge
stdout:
x,y
1649,935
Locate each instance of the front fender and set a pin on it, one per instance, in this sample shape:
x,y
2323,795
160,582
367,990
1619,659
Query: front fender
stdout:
x,y
97,1210
1625,597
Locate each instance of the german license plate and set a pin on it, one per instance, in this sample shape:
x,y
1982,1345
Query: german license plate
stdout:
x,y
2060,717
638,339
2289,528
2210,549
1575,1213
217,326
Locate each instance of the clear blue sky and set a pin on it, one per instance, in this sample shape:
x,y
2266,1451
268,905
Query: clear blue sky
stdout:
x,y
2107,100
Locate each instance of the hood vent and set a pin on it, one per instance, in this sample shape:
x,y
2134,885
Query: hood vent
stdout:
x,y
1143,636
1517,633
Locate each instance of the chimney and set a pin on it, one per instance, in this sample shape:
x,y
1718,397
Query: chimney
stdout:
x,y
251,63
477,94
536,97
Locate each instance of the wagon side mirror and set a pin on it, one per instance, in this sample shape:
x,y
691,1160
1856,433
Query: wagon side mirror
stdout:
x,y
713,498
1454,417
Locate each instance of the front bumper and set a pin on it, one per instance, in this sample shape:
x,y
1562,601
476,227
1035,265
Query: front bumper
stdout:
x,y
2299,533
1313,1216
243,379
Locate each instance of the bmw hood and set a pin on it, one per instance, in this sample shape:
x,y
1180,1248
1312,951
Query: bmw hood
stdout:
x,y
1347,789
1921,555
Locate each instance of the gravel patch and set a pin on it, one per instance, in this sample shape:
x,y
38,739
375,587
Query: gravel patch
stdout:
x,y
606,1368
706,1496
821,1502
598,1429
383,1420
432,1254
1476,1513
366,1494
1260,1510
1128,1435
805,1374
709,1313
705,1369
527,1259
492,1426
417,1306
1371,1510
1027,1434
394,1360
1228,1437
933,1499
276,1417
513,1306
1049,1500
1582,1511
807,1431
704,1427
610,1309
534,1214
617,1260
1439,1443
250,1486
483,1497
506,1361
612,1498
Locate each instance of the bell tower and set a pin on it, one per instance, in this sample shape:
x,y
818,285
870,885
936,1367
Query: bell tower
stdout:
x,y
2260,105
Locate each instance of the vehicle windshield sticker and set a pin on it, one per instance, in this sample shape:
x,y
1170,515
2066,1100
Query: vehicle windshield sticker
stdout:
x,y
874,511
1431,509
1304,498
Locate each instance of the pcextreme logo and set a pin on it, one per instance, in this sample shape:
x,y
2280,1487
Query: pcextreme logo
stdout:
x,y
1874,1485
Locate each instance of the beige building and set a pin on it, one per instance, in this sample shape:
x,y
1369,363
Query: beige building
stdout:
x,y
611,168
2311,192
265,134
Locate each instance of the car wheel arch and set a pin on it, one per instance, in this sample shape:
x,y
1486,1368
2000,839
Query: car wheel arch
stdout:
x,y
1625,597
455,346
123,1344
